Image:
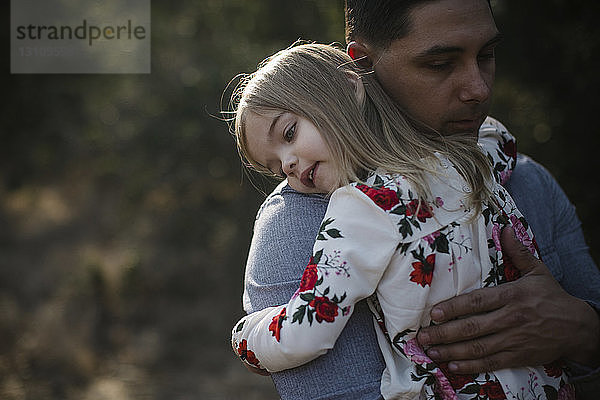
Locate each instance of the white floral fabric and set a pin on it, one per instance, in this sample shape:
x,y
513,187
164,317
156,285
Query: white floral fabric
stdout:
x,y
379,241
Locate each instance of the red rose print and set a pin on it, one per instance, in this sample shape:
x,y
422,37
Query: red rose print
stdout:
x,y
504,176
553,369
422,272
510,149
275,325
492,390
511,273
325,308
384,198
246,354
424,211
309,277
415,352
535,246
521,233
442,387
457,381
496,231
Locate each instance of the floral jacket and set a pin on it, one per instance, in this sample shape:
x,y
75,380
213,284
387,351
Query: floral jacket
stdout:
x,y
378,241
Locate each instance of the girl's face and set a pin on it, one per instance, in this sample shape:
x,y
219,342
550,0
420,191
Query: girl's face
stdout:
x,y
291,146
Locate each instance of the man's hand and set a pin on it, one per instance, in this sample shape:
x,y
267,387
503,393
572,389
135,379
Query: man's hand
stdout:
x,y
530,321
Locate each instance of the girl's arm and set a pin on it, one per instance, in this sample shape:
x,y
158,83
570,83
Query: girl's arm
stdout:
x,y
353,248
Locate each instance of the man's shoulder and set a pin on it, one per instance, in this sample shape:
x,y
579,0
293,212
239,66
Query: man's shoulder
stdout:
x,y
531,185
284,232
284,200
529,172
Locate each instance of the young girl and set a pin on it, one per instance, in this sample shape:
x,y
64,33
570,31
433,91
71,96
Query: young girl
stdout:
x,y
413,219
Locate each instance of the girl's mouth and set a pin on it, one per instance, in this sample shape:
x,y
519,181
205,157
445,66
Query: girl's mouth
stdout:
x,y
307,177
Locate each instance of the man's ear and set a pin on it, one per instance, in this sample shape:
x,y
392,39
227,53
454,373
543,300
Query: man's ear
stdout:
x,y
359,86
360,53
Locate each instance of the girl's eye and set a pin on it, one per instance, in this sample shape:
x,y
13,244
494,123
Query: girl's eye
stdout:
x,y
288,135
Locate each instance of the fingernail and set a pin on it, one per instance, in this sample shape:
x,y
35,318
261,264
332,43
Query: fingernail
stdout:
x,y
453,367
433,353
437,314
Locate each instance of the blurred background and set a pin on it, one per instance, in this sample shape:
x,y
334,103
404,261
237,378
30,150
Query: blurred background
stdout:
x,y
126,217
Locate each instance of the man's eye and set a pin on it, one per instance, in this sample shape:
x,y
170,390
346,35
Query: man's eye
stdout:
x,y
288,135
439,65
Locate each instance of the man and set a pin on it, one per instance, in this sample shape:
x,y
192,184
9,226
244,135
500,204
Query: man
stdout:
x,y
436,59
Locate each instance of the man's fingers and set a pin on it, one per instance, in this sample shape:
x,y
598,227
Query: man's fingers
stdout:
x,y
486,364
474,302
478,348
484,354
460,330
453,331
516,252
469,350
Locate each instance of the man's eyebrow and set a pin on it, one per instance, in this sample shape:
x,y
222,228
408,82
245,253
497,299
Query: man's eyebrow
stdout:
x,y
441,49
494,41
437,50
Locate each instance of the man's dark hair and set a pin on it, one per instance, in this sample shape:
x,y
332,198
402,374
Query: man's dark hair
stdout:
x,y
379,22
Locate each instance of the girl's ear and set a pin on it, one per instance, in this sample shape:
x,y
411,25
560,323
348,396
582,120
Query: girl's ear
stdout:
x,y
360,53
359,86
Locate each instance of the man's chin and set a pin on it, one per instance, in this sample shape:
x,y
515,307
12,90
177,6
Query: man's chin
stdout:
x,y
469,127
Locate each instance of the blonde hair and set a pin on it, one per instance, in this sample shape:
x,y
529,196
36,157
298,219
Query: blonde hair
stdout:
x,y
313,81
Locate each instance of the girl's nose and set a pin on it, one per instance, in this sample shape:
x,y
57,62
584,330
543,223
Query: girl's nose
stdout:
x,y
289,165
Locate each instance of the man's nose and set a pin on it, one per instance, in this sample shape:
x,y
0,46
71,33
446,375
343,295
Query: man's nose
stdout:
x,y
475,85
